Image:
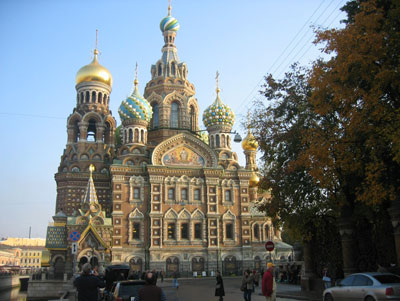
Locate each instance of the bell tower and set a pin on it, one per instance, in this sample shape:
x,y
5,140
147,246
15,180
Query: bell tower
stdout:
x,y
90,129
171,95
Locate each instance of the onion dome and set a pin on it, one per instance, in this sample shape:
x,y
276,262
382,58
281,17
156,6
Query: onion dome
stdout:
x,y
94,72
254,180
135,107
218,114
249,142
169,23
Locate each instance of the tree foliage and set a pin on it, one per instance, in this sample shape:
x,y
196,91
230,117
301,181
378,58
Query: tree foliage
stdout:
x,y
330,136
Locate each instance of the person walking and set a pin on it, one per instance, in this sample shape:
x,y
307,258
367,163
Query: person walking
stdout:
x,y
87,285
326,278
247,285
268,283
150,291
175,276
219,287
162,275
256,275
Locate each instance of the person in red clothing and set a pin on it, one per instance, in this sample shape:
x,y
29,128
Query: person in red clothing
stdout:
x,y
268,283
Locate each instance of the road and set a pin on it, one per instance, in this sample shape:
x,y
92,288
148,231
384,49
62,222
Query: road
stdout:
x,y
203,290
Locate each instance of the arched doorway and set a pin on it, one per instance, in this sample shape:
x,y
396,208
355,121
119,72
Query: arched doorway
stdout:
x,y
135,264
230,266
59,266
172,265
198,264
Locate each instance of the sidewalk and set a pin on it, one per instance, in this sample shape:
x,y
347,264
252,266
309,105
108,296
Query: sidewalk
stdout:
x,y
292,291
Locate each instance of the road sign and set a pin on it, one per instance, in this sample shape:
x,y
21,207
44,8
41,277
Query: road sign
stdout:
x,y
74,236
269,246
74,248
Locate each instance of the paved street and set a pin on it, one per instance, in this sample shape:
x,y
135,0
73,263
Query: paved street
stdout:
x,y
203,290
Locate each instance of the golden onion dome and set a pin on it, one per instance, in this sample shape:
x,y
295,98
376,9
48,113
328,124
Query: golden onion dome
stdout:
x,y
249,142
94,72
254,180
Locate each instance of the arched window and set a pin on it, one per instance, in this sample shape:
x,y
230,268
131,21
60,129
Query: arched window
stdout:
x,y
130,136
212,141
223,141
142,136
217,141
256,231
82,100
91,131
155,119
87,96
93,96
136,135
174,115
266,232
105,99
159,70
173,69
99,98
192,118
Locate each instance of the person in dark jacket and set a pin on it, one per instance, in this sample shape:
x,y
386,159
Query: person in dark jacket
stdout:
x,y
219,287
151,292
88,285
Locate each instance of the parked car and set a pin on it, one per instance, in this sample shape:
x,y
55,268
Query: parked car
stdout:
x,y
365,287
116,272
127,290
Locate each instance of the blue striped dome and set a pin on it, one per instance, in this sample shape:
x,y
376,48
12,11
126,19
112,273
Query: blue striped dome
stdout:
x,y
169,23
135,107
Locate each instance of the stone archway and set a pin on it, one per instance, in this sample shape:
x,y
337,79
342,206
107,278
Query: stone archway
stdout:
x,y
198,264
172,265
229,265
136,264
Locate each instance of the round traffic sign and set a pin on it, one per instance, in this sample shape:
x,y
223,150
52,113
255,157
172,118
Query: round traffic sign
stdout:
x,y
269,246
74,236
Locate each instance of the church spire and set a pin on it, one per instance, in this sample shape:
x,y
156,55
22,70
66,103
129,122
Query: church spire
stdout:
x,y
90,193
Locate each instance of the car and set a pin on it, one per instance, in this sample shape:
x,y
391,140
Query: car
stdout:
x,y
127,290
365,287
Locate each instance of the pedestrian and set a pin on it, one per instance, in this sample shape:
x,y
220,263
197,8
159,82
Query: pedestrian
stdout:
x,y
268,283
162,275
175,276
326,278
87,285
219,287
256,275
247,285
150,291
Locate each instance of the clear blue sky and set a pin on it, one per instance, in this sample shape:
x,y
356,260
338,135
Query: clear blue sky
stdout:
x,y
44,43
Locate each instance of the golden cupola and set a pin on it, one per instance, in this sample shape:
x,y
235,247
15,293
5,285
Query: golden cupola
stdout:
x,y
249,142
94,72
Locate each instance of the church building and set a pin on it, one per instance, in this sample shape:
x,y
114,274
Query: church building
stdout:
x,y
156,192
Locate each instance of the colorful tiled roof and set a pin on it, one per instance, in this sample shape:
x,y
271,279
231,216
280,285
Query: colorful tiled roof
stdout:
x,y
56,237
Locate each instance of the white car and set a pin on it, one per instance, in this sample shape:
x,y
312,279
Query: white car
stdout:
x,y
365,287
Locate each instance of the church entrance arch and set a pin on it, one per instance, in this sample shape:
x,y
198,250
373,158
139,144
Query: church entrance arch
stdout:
x,y
135,264
172,265
230,266
198,264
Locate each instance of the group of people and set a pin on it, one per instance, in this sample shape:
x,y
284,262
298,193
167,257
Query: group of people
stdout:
x,y
250,280
90,281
